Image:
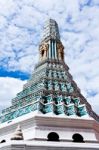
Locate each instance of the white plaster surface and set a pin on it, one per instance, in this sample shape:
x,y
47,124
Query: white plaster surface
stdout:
x,y
38,145
37,126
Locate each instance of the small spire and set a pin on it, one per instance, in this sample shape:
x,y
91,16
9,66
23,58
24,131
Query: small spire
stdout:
x,y
51,46
18,135
51,30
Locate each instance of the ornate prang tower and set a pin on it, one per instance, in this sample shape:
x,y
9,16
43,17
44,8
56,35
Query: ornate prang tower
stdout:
x,y
50,111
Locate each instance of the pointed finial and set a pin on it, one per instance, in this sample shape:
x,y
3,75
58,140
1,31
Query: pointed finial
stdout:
x,y
51,30
18,135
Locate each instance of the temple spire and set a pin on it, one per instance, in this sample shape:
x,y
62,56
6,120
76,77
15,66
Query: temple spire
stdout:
x,y
50,31
51,46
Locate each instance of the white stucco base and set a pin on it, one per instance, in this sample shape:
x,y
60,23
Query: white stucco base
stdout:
x,y
37,126
38,145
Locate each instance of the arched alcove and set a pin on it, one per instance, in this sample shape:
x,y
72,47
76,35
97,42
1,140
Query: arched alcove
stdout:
x,y
53,136
78,138
3,141
42,53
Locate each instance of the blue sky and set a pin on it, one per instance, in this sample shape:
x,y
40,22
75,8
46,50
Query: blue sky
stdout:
x,y
21,24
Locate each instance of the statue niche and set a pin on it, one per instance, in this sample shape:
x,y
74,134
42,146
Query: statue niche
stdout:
x,y
43,51
60,49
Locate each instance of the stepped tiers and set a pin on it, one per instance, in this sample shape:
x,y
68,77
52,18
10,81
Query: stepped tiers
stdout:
x,y
50,107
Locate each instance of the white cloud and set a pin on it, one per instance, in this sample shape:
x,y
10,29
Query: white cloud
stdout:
x,y
94,101
7,8
8,89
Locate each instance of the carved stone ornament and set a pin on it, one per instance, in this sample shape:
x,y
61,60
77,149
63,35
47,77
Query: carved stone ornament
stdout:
x,y
43,50
60,49
44,46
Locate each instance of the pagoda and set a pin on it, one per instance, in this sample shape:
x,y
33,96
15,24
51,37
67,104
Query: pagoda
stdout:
x,y
50,112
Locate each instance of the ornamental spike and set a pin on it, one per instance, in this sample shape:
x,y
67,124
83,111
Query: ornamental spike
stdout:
x,y
50,31
18,135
